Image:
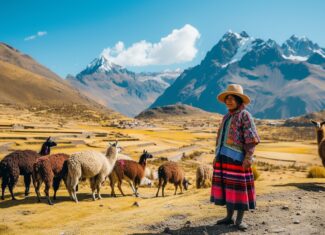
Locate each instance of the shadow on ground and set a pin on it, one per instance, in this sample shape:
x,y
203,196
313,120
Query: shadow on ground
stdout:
x,y
310,187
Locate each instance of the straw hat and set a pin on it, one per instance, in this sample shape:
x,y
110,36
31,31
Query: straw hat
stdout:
x,y
234,89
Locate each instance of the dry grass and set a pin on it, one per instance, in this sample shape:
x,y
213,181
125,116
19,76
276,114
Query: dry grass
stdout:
x,y
316,172
118,215
256,172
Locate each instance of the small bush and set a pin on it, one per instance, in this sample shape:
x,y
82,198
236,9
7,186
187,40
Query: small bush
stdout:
x,y
316,172
256,173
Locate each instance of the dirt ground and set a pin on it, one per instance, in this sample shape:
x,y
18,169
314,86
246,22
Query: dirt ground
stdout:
x,y
298,211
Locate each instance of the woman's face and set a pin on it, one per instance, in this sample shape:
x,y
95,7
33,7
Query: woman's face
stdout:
x,y
231,102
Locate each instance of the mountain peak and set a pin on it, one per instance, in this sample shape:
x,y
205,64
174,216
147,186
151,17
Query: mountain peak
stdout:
x,y
102,64
230,34
294,37
244,34
300,48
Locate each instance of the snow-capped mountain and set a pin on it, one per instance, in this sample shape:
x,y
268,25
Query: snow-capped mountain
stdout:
x,y
280,85
300,48
120,89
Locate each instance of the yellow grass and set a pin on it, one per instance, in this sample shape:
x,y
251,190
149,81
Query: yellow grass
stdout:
x,y
118,215
316,172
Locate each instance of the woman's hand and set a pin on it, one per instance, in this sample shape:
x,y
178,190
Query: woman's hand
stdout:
x,y
247,163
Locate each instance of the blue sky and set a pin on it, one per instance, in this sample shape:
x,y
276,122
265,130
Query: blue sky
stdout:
x,y
67,35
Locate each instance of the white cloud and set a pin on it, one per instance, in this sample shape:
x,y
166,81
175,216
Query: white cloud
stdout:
x,y
38,34
177,47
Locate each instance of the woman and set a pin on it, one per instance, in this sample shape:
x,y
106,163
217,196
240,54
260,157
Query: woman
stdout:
x,y
233,180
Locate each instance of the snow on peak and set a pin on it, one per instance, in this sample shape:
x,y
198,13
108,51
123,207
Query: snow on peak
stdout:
x,y
245,45
231,34
102,64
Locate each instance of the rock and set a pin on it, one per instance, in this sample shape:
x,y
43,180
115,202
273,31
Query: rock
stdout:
x,y
298,213
299,197
26,212
101,205
187,224
296,222
263,223
285,207
136,204
167,230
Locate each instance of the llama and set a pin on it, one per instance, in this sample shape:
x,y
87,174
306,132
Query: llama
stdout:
x,y
130,171
203,174
151,174
90,165
320,139
173,173
51,169
21,162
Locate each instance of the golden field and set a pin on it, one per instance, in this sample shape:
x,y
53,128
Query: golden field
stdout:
x,y
283,165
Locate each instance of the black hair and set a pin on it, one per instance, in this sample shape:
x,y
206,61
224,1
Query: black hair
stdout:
x,y
239,100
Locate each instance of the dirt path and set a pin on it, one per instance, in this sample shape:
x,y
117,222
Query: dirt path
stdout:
x,y
299,211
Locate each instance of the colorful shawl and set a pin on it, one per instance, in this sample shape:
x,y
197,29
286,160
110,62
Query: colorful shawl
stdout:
x,y
240,133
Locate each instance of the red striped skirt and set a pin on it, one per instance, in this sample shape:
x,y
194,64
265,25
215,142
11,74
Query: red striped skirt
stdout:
x,y
232,185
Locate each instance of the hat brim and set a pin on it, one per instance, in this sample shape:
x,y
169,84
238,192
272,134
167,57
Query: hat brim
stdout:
x,y
221,97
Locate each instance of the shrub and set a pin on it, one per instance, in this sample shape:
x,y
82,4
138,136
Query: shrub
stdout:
x,y
316,172
256,173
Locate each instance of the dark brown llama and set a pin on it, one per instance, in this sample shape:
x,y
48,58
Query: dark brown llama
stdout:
x,y
21,162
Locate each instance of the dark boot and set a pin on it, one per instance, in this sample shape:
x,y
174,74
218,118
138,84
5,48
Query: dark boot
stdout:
x,y
239,221
228,219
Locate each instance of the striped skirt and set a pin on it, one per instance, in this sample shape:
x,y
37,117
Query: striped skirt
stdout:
x,y
232,185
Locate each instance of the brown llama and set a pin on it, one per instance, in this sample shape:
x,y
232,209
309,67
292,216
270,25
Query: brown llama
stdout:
x,y
130,171
51,169
171,172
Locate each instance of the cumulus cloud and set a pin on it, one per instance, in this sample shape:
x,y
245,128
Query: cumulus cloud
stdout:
x,y
177,47
38,34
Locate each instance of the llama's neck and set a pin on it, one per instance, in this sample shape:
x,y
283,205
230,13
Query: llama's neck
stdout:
x,y
143,162
45,150
111,155
320,135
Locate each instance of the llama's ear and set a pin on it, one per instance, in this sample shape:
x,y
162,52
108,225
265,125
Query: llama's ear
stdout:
x,y
322,123
48,139
313,122
110,144
116,142
144,151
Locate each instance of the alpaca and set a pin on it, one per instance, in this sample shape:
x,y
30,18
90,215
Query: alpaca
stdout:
x,y
173,173
151,173
320,139
21,162
51,169
90,165
203,173
130,171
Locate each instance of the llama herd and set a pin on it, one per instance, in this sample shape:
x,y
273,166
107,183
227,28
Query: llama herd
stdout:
x,y
95,166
